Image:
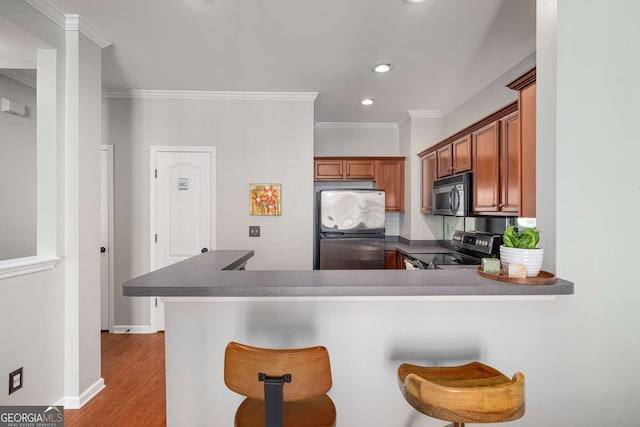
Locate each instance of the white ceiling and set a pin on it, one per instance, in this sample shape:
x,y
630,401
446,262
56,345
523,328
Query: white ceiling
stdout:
x,y
442,51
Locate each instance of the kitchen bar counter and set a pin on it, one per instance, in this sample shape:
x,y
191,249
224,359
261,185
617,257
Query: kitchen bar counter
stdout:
x,y
207,275
379,317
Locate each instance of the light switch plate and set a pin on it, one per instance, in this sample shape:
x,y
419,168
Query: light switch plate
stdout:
x,y
254,231
15,380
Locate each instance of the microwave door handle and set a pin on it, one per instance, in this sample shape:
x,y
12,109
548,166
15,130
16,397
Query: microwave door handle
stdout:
x,y
454,200
451,192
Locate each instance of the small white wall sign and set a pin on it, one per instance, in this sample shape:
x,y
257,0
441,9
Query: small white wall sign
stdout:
x,y
183,183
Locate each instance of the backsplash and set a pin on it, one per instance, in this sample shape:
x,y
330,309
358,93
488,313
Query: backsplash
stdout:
x,y
495,225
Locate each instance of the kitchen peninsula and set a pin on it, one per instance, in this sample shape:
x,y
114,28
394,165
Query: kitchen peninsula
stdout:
x,y
212,275
370,321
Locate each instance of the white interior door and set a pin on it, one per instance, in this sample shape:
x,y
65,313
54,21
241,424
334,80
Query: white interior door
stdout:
x,y
106,237
182,209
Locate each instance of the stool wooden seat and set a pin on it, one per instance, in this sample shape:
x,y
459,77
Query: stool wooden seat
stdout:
x,y
471,393
303,401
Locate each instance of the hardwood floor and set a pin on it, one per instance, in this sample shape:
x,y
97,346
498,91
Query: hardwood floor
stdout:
x,y
133,371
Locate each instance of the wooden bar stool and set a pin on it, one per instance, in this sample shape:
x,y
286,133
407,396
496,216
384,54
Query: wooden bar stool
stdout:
x,y
472,393
284,387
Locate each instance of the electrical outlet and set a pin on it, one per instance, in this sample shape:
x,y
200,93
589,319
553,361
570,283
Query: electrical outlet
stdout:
x,y
254,231
15,380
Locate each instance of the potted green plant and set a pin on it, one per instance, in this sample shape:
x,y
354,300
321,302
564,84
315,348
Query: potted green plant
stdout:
x,y
520,246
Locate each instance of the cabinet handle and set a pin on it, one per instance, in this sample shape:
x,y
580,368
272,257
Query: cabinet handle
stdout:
x,y
493,206
501,205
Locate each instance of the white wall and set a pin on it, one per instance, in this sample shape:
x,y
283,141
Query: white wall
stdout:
x,y
48,317
355,139
18,173
32,306
597,152
88,224
256,142
418,133
546,165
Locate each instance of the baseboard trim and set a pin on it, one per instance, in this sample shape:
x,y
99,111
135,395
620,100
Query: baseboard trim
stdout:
x,y
77,402
133,329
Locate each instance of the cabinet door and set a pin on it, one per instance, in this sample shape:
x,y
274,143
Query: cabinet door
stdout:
x,y
510,163
445,161
400,261
390,260
486,169
461,152
429,172
328,169
359,169
390,178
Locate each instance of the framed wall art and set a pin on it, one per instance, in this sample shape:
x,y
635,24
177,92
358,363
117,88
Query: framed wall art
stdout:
x,y
265,199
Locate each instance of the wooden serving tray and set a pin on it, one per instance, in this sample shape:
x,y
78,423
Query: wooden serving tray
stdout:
x,y
543,278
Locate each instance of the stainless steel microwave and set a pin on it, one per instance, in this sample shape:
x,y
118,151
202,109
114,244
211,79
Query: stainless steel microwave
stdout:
x,y
452,195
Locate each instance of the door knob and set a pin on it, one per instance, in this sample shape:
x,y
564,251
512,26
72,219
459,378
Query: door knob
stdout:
x,y
103,249
204,250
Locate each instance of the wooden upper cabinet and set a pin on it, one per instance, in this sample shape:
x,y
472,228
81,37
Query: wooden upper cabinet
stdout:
x,y
500,151
360,169
328,169
510,163
461,153
429,173
445,161
387,172
486,169
455,157
390,178
496,167
526,87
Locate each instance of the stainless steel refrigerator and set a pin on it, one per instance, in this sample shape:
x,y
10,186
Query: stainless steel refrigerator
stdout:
x,y
350,229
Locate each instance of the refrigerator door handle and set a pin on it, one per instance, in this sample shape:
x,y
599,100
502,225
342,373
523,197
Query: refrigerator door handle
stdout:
x,y
331,234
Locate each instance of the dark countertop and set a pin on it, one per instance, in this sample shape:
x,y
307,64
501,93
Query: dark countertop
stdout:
x,y
419,247
207,275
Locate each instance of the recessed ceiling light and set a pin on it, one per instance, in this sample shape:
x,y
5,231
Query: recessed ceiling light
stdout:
x,y
417,1
367,101
382,68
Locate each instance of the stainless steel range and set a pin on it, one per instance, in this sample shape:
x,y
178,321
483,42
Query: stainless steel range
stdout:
x,y
468,248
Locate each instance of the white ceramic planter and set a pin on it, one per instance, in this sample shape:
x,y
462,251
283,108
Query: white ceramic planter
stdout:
x,y
532,258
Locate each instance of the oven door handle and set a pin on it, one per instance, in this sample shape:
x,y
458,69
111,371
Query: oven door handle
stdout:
x,y
454,200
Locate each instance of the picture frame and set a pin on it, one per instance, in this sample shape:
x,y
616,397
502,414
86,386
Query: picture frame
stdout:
x,y
265,199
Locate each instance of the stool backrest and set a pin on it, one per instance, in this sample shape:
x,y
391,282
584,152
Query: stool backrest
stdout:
x,y
309,368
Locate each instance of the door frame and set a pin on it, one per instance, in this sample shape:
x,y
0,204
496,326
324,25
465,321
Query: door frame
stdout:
x,y
110,235
153,151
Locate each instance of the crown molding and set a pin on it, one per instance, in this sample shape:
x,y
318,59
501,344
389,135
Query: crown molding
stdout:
x,y
93,33
212,95
21,78
70,22
350,125
425,114
420,114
